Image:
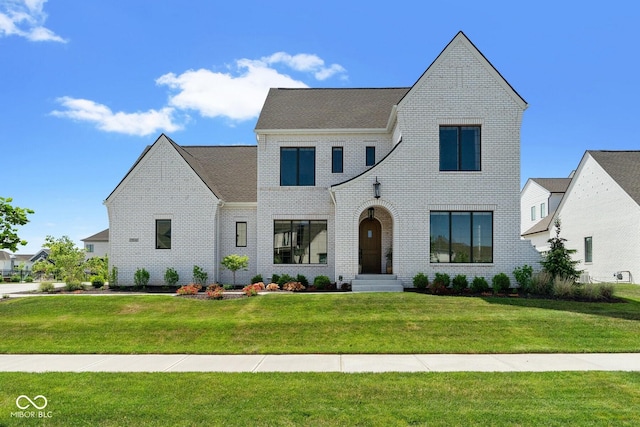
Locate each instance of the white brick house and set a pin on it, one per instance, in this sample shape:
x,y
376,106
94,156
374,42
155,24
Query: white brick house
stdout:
x,y
600,215
444,153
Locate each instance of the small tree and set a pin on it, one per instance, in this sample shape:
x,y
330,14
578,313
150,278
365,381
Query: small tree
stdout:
x,y
141,277
234,263
11,216
67,258
557,261
171,277
200,276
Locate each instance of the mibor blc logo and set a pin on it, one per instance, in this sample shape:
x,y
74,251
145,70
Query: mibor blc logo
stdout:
x,y
31,407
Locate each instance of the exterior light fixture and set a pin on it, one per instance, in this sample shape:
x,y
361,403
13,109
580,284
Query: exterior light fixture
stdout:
x,y
376,189
370,213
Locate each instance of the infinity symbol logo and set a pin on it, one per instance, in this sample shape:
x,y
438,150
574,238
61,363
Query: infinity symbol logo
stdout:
x,y
31,402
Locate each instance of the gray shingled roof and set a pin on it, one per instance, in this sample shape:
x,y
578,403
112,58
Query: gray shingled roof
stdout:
x,y
329,108
623,167
553,185
542,225
230,171
102,236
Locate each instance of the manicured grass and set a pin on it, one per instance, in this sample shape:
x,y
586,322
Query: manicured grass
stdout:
x,y
327,323
392,399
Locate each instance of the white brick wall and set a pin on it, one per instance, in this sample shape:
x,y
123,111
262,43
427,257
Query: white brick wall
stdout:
x,y
162,186
593,200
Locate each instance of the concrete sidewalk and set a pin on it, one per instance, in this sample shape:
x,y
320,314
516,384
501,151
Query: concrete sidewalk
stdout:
x,y
347,363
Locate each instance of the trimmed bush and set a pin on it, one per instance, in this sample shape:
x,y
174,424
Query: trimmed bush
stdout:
x,y
440,283
46,287
460,283
320,282
300,278
479,285
500,283
420,281
285,278
200,276
523,277
28,279
141,277
275,278
257,278
73,285
171,277
97,282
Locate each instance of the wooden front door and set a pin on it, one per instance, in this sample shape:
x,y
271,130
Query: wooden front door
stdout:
x,y
370,246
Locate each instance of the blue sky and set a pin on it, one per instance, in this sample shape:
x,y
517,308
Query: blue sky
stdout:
x,y
86,85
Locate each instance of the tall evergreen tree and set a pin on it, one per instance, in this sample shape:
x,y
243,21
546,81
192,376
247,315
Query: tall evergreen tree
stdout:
x,y
557,261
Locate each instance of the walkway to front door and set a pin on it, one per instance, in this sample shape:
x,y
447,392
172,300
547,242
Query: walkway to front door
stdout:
x,y
370,246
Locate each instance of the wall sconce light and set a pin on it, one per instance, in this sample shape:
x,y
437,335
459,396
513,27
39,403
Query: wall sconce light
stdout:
x,y
371,213
376,189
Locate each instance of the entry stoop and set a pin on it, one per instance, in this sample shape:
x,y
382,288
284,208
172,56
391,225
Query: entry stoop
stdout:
x,y
376,283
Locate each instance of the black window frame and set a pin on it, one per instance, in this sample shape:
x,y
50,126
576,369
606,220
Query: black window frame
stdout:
x,y
160,244
450,241
238,235
337,160
461,151
292,239
370,155
299,169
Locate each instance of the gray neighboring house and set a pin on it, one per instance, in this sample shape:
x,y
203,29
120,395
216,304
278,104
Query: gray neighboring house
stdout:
x,y
363,185
15,263
96,245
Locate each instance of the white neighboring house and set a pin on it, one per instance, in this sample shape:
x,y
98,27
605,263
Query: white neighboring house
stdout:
x,y
539,199
96,245
339,179
600,215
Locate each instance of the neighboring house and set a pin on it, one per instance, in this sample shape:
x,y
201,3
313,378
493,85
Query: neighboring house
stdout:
x,y
539,200
15,263
600,215
97,245
339,179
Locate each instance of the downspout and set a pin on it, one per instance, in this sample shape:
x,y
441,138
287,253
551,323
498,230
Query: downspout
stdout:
x,y
216,267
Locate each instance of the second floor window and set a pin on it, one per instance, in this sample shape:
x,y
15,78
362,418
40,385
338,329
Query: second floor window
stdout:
x,y
297,166
336,160
459,148
371,156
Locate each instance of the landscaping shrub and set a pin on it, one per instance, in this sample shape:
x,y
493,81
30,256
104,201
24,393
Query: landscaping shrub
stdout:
x,y
302,279
28,279
460,283
273,287
541,283
215,292
275,278
565,288
190,289
420,281
97,282
479,285
15,278
141,277
113,278
257,278
500,283
252,290
171,277
285,278
293,286
46,287
73,285
199,276
440,283
321,282
597,291
523,277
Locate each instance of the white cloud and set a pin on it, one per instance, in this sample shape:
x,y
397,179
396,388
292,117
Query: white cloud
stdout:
x,y
25,18
235,96
139,124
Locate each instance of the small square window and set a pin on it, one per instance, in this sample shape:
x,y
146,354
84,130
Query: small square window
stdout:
x,y
241,234
89,247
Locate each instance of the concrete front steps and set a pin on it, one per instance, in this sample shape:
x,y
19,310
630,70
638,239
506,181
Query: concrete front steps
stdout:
x,y
376,283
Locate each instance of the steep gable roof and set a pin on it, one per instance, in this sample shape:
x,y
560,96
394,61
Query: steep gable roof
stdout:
x,y
553,185
102,236
623,167
366,108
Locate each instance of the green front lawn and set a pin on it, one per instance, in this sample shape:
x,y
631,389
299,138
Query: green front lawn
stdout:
x,y
390,399
320,323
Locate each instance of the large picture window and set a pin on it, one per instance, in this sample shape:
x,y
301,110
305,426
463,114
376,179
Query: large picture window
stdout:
x,y
163,234
459,148
299,242
461,237
297,166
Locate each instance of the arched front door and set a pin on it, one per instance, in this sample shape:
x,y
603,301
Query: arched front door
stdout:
x,y
370,246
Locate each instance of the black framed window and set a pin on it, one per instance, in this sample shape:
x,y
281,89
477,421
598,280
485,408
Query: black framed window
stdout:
x,y
299,242
370,156
459,148
241,234
461,237
163,234
297,166
336,160
588,249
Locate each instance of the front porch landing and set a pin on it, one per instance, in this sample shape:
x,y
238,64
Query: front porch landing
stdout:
x,y
376,283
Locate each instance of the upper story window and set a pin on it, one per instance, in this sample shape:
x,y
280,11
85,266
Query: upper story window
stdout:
x,y
459,148
371,156
163,234
297,166
543,210
533,213
336,160
89,247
